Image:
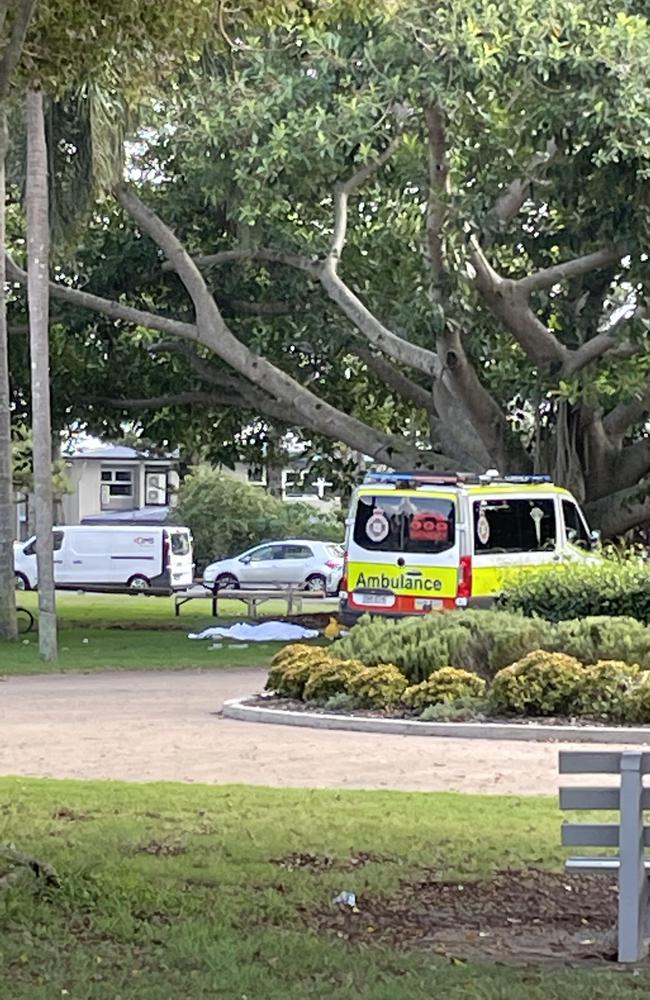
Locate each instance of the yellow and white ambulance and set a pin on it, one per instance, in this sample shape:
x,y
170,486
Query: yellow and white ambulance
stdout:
x,y
419,542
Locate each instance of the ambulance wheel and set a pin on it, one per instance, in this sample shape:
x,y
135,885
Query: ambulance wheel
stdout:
x,y
316,583
138,583
22,583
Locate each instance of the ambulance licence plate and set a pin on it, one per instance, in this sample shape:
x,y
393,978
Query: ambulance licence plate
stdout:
x,y
374,600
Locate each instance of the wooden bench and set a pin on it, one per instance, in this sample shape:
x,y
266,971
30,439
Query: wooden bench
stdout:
x,y
630,835
253,599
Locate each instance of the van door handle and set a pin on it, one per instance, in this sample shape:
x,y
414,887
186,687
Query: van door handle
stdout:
x,y
77,562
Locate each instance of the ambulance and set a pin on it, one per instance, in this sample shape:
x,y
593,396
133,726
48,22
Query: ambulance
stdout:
x,y
420,542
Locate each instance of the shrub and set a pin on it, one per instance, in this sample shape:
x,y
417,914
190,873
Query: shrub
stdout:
x,y
247,515
460,710
341,703
290,669
541,683
607,586
605,690
329,678
639,701
447,684
602,638
378,687
482,641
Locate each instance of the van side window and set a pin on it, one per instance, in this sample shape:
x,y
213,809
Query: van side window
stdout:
x,y
576,530
513,524
405,524
57,542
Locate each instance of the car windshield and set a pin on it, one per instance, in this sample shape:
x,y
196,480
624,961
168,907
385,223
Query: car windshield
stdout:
x,y
406,523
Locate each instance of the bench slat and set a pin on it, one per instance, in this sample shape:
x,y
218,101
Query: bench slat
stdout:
x,y
595,835
597,798
596,762
590,798
597,866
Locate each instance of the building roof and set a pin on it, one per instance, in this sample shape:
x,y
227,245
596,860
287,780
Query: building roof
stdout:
x,y
144,515
115,453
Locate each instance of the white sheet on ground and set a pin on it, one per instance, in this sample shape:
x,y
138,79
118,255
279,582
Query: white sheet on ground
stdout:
x,y
264,632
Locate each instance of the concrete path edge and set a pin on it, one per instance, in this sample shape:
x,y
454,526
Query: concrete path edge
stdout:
x,y
236,708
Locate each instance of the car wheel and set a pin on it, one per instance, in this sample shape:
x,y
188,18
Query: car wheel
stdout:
x,y
138,583
22,583
316,583
226,582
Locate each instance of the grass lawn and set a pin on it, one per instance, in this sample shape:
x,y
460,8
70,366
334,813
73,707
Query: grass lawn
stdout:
x,y
168,892
134,633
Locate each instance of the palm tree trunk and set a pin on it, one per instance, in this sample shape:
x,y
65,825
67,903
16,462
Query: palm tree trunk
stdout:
x,y
38,238
7,507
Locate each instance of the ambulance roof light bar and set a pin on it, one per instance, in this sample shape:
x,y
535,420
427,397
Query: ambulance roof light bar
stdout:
x,y
421,477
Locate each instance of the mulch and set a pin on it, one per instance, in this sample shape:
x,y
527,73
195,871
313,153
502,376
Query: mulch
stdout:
x,y
513,918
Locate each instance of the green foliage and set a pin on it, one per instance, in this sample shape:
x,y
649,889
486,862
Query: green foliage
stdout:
x,y
291,667
448,684
460,710
22,464
378,687
541,683
607,691
329,678
578,590
638,705
226,516
602,638
481,641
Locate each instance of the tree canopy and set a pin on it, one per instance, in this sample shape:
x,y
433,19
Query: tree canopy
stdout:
x,y
420,232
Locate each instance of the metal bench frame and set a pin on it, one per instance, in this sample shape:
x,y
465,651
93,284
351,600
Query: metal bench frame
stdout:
x,y
630,835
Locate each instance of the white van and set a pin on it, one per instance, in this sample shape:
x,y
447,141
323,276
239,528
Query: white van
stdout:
x,y
137,556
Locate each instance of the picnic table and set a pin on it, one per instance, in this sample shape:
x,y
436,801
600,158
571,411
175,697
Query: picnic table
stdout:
x,y
253,599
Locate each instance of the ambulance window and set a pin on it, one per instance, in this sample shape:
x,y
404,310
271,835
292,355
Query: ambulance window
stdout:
x,y
576,529
404,524
514,525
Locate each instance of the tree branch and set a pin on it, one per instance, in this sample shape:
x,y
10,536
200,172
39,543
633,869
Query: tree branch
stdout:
x,y
342,194
265,254
511,199
620,512
108,307
632,464
394,378
13,50
625,415
438,190
215,334
550,276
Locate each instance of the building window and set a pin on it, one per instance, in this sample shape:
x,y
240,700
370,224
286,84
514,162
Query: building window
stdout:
x,y
117,485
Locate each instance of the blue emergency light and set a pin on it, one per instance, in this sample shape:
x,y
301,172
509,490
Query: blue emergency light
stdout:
x,y
453,478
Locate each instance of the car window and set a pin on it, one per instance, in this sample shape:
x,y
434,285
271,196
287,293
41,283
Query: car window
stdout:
x,y
335,551
297,552
57,542
576,529
513,524
180,543
266,553
405,524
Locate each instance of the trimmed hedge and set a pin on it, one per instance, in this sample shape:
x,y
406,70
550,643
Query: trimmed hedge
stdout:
x,y
378,687
541,683
579,590
448,684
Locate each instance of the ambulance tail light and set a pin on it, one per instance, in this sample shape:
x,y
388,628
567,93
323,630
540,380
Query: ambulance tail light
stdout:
x,y
465,578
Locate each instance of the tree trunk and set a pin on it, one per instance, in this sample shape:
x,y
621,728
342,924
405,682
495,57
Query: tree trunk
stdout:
x,y
38,301
8,629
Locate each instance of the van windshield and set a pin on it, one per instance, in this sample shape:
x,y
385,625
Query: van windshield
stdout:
x,y
180,543
405,524
513,524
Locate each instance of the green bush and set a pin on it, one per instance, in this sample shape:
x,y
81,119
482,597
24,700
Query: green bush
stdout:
x,y
602,638
378,687
226,516
460,710
447,684
606,690
329,678
606,586
541,683
290,669
639,701
481,641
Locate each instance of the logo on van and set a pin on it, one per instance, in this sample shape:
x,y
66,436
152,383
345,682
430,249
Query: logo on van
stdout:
x,y
143,540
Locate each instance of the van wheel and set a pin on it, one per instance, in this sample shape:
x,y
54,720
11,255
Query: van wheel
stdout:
x,y
138,583
22,583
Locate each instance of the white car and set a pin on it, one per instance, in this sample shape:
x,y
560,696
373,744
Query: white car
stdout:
x,y
306,564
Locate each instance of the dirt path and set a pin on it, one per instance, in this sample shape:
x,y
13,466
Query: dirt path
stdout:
x,y
165,726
